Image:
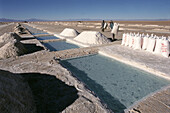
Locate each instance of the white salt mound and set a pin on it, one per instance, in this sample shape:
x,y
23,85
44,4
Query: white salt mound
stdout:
x,y
69,32
6,37
92,37
12,49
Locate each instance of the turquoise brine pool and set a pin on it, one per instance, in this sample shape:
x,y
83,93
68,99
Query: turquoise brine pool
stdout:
x,y
47,38
38,33
117,84
59,45
34,31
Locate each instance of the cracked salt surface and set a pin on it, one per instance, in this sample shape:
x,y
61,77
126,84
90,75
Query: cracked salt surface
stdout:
x,y
117,84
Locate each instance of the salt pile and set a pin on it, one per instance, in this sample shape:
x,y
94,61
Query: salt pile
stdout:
x,y
12,49
69,32
92,37
19,29
6,37
10,46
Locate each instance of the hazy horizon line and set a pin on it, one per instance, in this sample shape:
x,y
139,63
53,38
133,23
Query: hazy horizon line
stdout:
x,y
81,19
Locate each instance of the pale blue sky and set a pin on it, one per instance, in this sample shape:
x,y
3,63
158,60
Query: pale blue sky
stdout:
x,y
80,9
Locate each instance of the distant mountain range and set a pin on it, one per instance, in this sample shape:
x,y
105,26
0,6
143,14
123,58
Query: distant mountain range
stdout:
x,y
15,20
8,20
143,19
35,20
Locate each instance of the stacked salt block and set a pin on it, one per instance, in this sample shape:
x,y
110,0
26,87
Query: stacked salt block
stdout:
x,y
123,39
92,38
151,43
165,47
154,44
68,32
158,46
145,42
127,40
131,40
138,42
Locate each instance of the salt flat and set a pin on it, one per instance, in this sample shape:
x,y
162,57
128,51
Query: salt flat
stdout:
x,y
44,62
144,60
43,65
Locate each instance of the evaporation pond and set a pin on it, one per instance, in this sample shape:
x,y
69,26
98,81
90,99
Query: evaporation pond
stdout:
x,y
34,31
46,38
38,32
117,84
59,45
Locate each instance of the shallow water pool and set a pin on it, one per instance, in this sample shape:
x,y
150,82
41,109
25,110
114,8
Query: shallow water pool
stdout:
x,y
34,31
59,45
52,46
47,38
38,33
117,84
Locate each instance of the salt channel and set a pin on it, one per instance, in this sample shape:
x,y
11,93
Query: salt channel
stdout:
x,y
115,83
34,31
52,46
59,45
46,37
